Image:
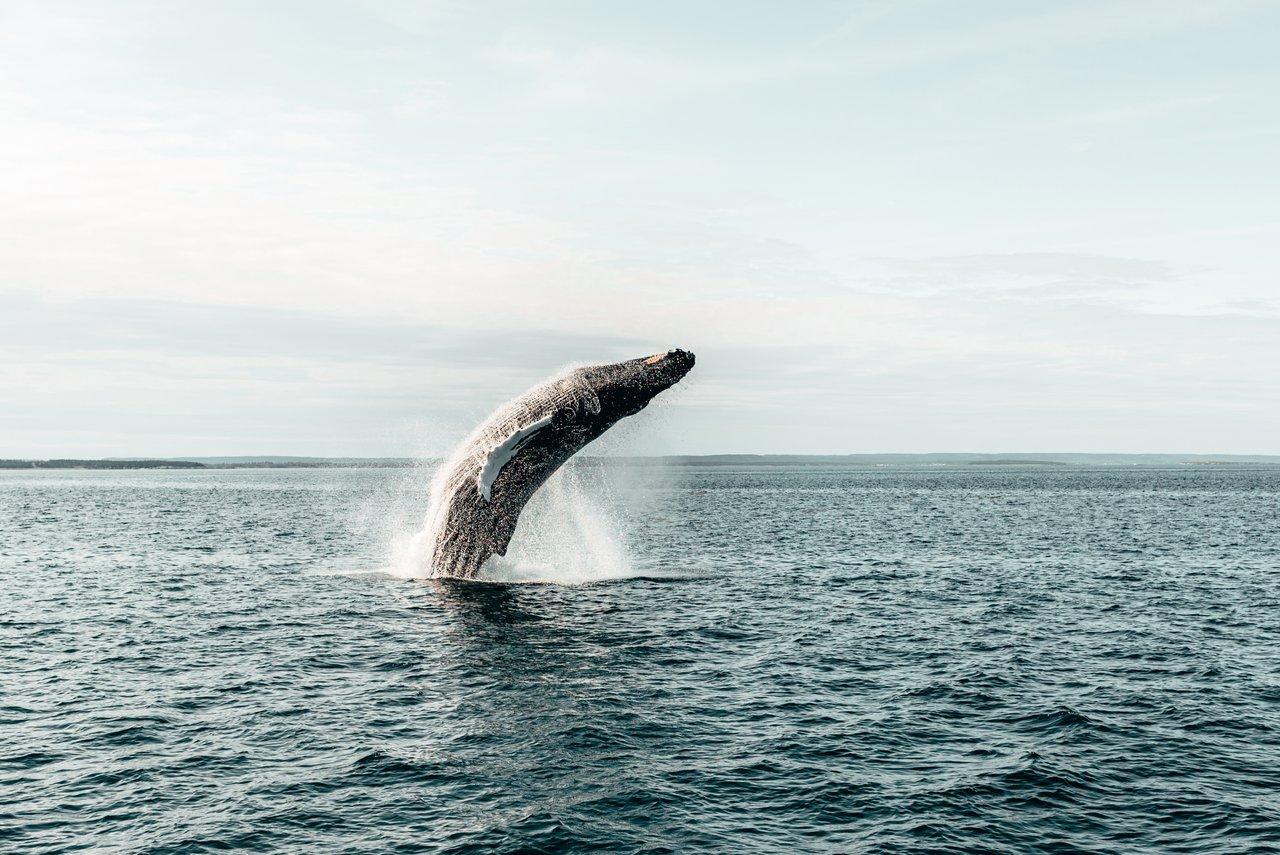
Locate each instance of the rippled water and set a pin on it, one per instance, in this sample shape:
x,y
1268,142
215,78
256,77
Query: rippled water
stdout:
x,y
830,661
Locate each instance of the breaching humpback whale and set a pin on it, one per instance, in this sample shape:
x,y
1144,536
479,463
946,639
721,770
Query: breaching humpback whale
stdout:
x,y
481,490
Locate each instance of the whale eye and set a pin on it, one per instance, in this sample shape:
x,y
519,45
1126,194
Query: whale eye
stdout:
x,y
655,359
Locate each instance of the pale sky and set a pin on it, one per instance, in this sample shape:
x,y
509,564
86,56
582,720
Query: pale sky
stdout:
x,y
354,228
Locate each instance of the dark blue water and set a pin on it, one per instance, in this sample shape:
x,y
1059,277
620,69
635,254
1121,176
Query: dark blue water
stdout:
x,y
1002,660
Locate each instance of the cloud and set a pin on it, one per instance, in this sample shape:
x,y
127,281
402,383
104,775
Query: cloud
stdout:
x,y
1053,26
876,39
1036,277
127,212
202,299
249,377
365,257
1046,264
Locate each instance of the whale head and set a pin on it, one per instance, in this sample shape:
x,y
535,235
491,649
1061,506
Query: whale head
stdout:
x,y
626,388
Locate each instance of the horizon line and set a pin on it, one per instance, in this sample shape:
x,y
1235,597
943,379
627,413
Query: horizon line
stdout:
x,y
1028,457
348,456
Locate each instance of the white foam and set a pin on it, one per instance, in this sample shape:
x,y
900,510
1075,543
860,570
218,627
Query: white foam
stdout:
x,y
572,532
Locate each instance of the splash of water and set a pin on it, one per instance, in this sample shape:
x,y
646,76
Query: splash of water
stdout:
x,y
571,532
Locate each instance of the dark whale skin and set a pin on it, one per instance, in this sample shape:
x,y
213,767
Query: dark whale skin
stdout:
x,y
560,417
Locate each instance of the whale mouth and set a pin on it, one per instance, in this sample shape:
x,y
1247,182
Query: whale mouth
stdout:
x,y
672,360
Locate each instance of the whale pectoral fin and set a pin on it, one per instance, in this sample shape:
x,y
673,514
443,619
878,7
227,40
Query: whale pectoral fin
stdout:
x,y
501,455
502,533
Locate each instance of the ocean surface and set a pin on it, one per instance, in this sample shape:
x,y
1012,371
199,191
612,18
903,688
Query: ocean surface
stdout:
x,y
728,660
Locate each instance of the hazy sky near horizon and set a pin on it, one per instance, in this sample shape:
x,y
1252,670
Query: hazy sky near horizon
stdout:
x,y
350,228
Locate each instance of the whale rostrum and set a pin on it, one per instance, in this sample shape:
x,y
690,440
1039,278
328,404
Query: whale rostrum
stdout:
x,y
479,492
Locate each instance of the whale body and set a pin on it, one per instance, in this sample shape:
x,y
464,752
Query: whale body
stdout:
x,y
479,493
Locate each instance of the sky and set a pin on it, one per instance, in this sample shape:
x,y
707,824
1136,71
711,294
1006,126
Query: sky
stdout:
x,y
355,228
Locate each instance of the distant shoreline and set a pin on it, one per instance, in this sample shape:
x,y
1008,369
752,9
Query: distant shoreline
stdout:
x,y
942,459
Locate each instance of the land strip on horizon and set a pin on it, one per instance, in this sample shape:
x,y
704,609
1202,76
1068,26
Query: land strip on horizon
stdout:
x,y
853,460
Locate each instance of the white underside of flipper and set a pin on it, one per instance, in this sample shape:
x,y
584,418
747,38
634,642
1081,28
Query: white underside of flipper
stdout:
x,y
502,454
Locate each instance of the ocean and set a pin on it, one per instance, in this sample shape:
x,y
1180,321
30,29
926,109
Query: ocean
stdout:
x,y
704,659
